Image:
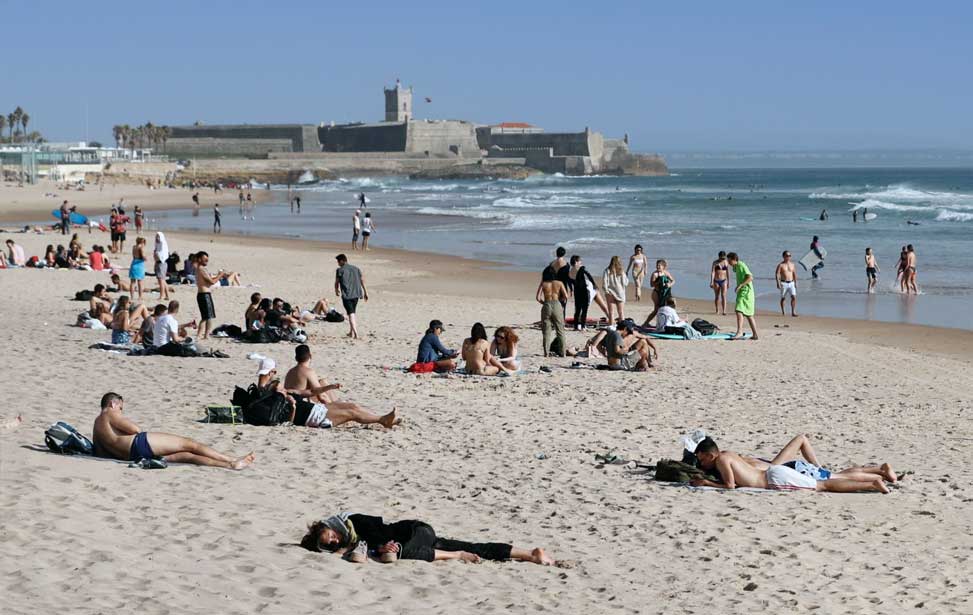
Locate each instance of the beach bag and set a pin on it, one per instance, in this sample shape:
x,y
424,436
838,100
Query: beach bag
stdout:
x,y
265,335
224,414
265,407
671,471
66,440
334,316
83,295
704,327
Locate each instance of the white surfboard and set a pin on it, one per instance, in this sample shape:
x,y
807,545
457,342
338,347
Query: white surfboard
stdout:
x,y
870,216
811,259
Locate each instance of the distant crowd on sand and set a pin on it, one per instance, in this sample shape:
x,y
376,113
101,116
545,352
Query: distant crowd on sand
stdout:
x,y
303,398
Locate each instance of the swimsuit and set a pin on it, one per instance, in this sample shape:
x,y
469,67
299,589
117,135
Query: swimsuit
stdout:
x,y
137,269
120,337
204,301
140,448
809,469
788,288
870,272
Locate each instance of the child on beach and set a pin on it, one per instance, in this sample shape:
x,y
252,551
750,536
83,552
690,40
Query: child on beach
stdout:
x,y
871,270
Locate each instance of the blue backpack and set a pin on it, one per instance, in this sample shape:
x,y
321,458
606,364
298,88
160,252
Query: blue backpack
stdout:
x,y
62,438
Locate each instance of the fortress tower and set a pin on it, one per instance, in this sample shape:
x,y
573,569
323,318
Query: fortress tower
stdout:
x,y
398,103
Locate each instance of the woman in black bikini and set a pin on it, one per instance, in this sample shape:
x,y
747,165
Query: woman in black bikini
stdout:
x,y
718,279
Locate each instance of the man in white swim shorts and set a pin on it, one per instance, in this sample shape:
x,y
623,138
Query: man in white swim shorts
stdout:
x,y
786,275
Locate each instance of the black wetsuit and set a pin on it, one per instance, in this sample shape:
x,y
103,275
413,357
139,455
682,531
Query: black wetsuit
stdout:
x,y
581,297
419,540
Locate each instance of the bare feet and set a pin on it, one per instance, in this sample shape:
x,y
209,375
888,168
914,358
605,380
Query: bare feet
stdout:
x,y
542,558
888,473
468,557
389,420
881,486
243,462
13,423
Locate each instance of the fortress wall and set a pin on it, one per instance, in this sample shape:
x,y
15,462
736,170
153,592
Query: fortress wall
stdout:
x,y
443,138
188,139
386,137
563,143
205,146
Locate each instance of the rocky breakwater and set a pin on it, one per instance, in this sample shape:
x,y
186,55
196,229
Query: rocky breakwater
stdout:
x,y
626,163
476,171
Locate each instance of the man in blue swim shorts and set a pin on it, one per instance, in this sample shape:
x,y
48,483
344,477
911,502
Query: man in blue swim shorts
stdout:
x,y
117,437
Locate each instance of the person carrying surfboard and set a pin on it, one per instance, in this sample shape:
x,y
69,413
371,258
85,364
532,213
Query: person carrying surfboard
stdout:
x,y
816,248
746,302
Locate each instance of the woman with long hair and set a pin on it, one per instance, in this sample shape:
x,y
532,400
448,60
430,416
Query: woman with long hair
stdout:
x,y
504,347
614,282
476,352
638,264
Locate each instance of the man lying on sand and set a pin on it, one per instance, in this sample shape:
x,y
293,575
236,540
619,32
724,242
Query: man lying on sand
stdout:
x,y
117,437
787,472
356,537
312,403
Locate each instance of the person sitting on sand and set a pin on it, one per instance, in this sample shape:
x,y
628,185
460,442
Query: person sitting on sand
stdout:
x,y
15,254
167,329
303,383
357,537
252,312
146,331
667,318
99,296
126,320
432,354
117,437
504,347
628,350
739,471
476,352
102,313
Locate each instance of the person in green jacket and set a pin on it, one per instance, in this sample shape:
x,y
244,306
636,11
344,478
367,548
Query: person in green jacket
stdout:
x,y
746,304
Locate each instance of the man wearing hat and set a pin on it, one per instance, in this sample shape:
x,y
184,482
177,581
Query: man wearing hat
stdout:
x,y
629,350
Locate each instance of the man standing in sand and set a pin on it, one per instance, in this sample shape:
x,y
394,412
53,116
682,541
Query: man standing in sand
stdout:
x,y
204,298
552,296
739,471
65,218
746,300
117,437
355,229
302,381
786,276
349,284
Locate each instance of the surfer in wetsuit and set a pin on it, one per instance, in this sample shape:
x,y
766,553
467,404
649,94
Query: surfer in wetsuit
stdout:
x,y
816,248
824,215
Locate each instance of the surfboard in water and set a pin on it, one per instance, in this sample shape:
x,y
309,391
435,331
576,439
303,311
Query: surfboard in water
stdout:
x,y
75,218
870,216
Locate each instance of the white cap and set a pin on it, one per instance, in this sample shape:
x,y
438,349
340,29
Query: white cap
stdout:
x,y
266,366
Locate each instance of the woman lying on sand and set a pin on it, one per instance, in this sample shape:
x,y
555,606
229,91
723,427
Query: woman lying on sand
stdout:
x,y
356,537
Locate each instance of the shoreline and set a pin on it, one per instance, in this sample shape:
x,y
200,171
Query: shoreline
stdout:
x,y
457,276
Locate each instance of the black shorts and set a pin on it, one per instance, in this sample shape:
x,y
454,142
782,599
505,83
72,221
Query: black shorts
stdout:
x,y
207,311
121,236
114,236
350,305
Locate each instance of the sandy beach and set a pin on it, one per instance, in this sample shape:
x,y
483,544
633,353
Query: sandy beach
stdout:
x,y
480,458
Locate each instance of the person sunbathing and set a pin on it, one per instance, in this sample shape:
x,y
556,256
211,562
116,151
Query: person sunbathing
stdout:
x,y
356,537
799,454
99,296
120,284
117,437
476,352
504,348
126,320
102,313
740,471
304,385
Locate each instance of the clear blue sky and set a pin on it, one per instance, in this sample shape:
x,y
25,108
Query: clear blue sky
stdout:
x,y
674,75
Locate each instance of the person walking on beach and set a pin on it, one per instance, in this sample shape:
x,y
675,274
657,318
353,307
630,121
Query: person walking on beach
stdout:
x,y
367,228
614,282
719,279
217,225
362,201
816,248
297,201
746,298
910,270
241,198
786,276
552,295
871,270
355,229
204,296
250,204
349,284
195,204
638,264
139,220
117,437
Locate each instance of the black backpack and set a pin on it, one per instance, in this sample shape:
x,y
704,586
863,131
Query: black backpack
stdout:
x,y
62,438
672,471
83,295
262,406
704,327
334,316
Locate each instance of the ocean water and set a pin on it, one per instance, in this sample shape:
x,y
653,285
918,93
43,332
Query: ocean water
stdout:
x,y
685,218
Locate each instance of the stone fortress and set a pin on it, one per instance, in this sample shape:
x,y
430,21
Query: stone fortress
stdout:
x,y
402,144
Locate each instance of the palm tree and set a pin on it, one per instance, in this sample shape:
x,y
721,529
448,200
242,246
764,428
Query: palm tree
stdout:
x,y
24,120
166,133
18,113
11,119
116,131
